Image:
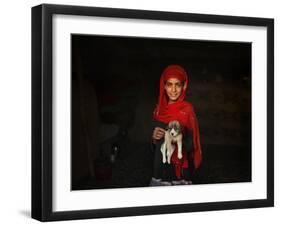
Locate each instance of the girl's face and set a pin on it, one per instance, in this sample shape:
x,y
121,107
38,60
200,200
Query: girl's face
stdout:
x,y
174,88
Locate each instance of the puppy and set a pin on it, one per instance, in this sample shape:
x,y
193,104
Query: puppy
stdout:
x,y
173,136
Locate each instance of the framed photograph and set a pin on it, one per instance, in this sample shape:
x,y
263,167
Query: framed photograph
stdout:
x,y
139,112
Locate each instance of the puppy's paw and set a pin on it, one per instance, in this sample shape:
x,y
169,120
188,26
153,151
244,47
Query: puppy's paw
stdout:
x,y
164,160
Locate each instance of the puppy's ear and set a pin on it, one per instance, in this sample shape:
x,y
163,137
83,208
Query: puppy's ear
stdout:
x,y
180,127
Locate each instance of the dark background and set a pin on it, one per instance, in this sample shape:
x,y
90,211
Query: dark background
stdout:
x,y
115,83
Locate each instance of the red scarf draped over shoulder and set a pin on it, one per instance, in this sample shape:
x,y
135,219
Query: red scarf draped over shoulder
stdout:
x,y
182,111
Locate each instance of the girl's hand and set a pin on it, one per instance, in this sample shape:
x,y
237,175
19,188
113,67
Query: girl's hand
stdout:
x,y
158,133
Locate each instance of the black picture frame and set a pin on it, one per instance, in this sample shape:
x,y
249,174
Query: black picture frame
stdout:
x,y
42,108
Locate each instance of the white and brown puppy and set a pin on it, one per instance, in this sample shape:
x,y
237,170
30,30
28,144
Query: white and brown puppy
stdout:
x,y
173,136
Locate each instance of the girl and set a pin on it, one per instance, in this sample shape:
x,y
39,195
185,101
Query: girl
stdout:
x,y
173,106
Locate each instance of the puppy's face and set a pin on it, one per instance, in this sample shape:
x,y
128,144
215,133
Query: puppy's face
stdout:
x,y
174,128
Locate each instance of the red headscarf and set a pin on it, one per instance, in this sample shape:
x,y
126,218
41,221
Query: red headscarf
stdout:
x,y
181,111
